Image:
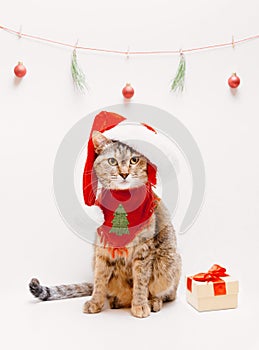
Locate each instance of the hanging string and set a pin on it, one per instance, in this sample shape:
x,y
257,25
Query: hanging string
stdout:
x,y
119,52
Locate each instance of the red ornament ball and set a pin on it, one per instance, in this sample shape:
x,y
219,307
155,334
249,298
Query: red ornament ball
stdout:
x,y
20,70
234,81
128,91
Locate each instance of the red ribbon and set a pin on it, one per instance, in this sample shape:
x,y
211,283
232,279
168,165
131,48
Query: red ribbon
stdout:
x,y
213,275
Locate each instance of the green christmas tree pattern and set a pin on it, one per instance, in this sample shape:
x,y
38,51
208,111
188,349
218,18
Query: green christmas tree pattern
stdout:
x,y
120,222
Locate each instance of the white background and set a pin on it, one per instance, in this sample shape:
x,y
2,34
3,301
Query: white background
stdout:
x,y
37,112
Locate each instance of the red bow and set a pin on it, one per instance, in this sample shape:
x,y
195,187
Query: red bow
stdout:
x,y
213,275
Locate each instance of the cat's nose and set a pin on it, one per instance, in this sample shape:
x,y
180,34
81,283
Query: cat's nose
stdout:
x,y
124,175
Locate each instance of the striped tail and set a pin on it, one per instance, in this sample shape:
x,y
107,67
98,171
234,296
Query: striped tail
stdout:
x,y
60,292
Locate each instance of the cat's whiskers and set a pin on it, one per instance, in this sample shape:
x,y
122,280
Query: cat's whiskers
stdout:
x,y
88,172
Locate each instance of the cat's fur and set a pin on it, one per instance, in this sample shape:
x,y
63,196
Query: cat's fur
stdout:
x,y
150,274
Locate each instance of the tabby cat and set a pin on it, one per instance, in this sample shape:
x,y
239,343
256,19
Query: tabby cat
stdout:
x,y
148,273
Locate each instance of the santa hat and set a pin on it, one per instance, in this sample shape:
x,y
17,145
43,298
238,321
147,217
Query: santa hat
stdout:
x,y
103,122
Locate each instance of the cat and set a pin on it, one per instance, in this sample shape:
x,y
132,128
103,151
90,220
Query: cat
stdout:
x,y
148,274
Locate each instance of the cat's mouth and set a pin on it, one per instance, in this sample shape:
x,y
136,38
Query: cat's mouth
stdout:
x,y
124,182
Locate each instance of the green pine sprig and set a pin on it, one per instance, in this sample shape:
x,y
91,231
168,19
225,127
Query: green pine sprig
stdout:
x,y
77,73
178,82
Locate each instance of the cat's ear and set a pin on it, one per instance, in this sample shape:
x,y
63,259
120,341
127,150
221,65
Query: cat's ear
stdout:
x,y
99,141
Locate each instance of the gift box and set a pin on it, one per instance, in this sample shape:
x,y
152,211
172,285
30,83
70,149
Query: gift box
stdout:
x,y
212,290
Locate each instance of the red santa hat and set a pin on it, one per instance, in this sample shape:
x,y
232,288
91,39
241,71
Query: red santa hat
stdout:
x,y
105,121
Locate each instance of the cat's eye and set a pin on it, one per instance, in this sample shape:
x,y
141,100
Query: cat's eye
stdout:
x,y
112,161
134,160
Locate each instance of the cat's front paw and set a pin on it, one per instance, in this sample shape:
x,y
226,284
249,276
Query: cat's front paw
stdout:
x,y
156,304
92,307
140,311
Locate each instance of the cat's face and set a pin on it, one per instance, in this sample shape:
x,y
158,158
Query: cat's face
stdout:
x,y
118,166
